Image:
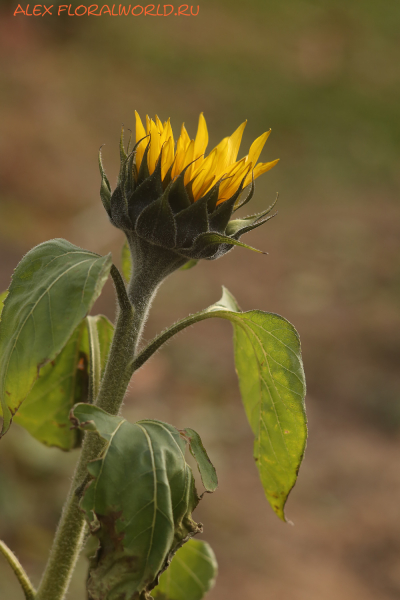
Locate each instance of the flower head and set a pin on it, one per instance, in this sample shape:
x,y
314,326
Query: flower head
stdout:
x,y
178,198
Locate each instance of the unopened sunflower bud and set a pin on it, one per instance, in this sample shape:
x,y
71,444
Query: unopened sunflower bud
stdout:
x,y
175,204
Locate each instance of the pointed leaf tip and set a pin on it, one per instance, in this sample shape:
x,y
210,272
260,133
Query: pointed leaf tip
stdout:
x,y
206,468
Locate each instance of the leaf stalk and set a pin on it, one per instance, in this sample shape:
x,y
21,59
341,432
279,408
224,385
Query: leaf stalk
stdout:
x,y
19,571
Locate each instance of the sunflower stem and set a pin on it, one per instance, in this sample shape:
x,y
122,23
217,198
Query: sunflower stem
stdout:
x,y
72,529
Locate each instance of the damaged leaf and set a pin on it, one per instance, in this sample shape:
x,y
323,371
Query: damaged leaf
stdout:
x,y
139,503
62,383
207,470
191,574
52,289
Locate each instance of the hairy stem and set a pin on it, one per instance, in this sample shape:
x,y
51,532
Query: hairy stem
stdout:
x,y
71,530
19,571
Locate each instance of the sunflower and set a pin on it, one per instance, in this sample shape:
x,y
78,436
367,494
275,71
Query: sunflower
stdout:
x,y
173,202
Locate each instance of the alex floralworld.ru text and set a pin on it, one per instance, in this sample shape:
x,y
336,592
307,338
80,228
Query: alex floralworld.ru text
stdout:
x,y
114,10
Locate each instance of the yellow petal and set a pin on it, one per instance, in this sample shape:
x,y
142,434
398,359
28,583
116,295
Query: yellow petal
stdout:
x,y
206,187
140,134
167,156
159,125
187,160
234,173
167,132
260,169
181,147
257,146
234,182
234,143
155,146
221,159
200,144
205,174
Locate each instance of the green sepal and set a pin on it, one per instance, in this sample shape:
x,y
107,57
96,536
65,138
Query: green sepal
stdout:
x,y
220,217
122,154
189,265
212,197
249,196
191,221
144,172
130,173
128,149
238,227
191,574
178,197
147,191
138,503
105,188
156,223
208,245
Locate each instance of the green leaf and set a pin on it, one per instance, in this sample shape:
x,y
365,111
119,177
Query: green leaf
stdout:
x,y
206,468
97,340
3,296
63,383
52,289
191,574
138,504
271,378
126,262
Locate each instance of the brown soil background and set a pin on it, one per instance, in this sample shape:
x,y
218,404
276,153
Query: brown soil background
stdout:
x,y
325,76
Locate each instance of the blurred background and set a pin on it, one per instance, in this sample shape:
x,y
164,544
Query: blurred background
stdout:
x,y
325,76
